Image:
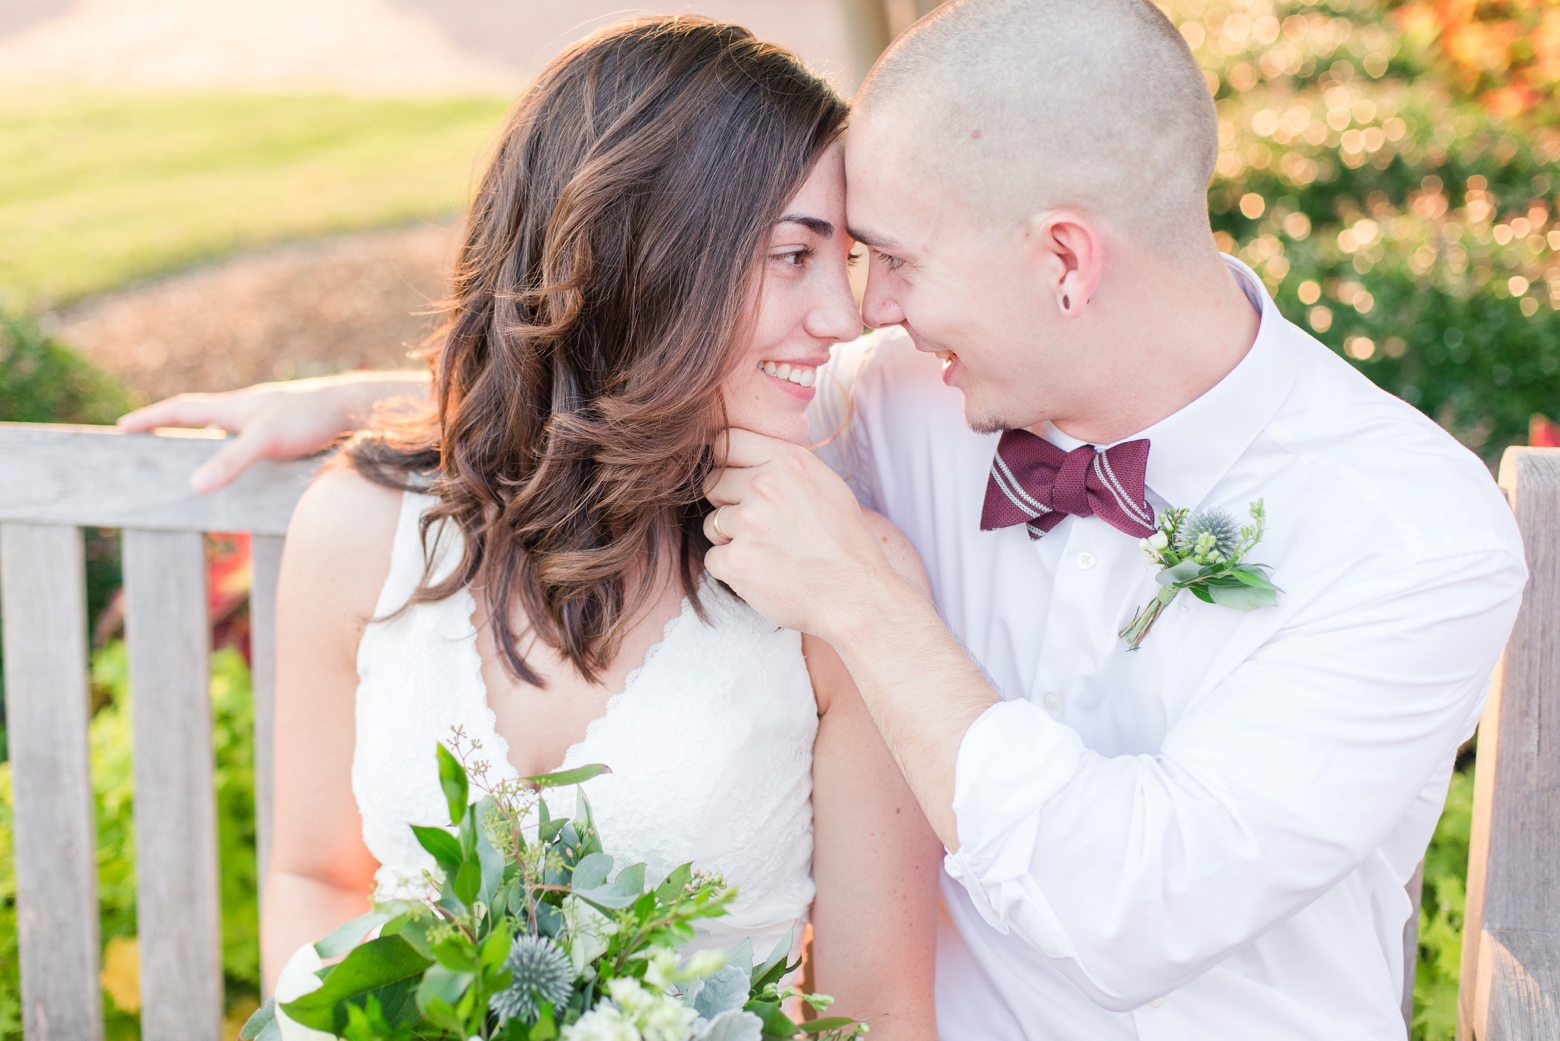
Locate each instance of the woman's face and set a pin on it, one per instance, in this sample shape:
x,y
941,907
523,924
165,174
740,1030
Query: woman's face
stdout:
x,y
804,308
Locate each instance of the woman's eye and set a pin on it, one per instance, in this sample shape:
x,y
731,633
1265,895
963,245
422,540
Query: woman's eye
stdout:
x,y
795,257
854,257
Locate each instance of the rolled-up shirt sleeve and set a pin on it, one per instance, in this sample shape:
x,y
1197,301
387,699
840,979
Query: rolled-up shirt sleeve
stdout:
x,y
1138,873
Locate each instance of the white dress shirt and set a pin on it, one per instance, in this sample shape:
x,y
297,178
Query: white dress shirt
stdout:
x,y
1207,837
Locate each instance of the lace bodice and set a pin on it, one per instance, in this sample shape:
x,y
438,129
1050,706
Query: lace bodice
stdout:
x,y
710,742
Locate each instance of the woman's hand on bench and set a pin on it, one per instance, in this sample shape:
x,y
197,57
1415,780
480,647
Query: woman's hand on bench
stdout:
x,y
276,420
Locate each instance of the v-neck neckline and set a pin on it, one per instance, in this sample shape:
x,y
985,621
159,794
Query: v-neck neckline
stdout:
x,y
631,682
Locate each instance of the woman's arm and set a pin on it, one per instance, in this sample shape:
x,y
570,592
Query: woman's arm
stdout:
x,y
277,420
336,560
875,858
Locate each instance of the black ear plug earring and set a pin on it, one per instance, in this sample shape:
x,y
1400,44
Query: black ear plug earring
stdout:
x,y
1066,303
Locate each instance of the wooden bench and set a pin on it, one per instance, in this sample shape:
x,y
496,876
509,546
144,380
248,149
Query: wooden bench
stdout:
x,y
55,480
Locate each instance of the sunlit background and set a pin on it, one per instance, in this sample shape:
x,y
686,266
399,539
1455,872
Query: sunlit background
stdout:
x,y
200,194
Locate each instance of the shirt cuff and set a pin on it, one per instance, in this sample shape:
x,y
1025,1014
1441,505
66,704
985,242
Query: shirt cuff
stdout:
x,y
1013,759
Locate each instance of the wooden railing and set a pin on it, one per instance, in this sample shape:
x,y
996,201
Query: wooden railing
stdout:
x,y
1510,987
56,480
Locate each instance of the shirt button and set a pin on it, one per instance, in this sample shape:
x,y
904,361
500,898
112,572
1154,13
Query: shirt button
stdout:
x,y
1086,561
1053,701
1156,1003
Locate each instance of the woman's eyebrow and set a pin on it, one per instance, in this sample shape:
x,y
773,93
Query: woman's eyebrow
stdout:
x,y
817,225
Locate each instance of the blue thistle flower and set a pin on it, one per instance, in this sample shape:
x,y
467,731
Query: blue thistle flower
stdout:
x,y
539,971
1215,530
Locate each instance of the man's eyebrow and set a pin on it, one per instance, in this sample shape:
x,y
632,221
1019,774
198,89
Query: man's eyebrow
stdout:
x,y
867,238
817,225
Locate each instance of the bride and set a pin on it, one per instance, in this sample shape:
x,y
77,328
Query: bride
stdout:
x,y
656,252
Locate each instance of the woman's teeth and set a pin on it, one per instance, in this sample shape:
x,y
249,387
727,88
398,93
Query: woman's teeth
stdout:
x,y
801,375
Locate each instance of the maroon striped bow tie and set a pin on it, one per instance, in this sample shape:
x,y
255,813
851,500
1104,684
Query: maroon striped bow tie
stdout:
x,y
1036,484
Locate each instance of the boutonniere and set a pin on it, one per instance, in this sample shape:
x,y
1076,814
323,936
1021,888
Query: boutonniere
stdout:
x,y
1204,553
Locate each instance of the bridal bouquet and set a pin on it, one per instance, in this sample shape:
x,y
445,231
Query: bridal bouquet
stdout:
x,y
536,940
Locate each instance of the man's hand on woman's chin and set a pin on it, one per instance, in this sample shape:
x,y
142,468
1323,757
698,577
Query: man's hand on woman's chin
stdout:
x,y
276,420
791,538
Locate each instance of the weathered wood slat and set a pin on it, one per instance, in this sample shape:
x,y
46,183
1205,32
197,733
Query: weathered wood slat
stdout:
x,y
43,594
98,477
1415,889
1519,970
179,915
266,555
1511,946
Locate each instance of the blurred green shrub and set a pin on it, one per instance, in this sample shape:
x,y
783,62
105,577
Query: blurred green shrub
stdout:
x,y
1406,225
43,381
113,789
1404,212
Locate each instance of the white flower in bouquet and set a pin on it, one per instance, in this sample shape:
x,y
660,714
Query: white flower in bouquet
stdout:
x,y
393,886
633,1013
588,931
605,1022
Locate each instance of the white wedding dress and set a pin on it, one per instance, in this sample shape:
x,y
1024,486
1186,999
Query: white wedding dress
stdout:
x,y
710,746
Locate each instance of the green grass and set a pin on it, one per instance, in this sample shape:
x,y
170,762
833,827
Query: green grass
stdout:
x,y
99,189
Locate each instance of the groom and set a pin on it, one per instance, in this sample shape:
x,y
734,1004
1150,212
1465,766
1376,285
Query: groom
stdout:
x,y
1209,836
1206,837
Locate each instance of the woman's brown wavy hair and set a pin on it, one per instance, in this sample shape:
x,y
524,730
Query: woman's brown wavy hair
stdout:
x,y
601,296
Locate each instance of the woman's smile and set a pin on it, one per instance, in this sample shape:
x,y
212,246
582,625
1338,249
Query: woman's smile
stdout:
x,y
795,378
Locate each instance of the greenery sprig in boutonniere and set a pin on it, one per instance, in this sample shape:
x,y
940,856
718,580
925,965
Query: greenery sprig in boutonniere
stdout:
x,y
1203,553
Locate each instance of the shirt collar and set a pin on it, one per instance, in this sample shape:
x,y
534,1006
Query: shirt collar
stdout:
x,y
1193,448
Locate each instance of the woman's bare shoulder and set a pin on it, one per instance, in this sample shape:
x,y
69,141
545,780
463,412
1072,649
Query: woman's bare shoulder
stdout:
x,y
340,539
897,547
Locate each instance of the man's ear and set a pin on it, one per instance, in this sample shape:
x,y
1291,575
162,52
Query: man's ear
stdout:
x,y
1066,250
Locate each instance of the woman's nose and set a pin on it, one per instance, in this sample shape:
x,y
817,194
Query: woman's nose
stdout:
x,y
835,317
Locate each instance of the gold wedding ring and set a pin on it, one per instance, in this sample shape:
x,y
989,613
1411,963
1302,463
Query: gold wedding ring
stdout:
x,y
715,523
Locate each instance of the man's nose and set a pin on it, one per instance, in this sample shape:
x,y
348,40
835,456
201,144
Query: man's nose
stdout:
x,y
879,306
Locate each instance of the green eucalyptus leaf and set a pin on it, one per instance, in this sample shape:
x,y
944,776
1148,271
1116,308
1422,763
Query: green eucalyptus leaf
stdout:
x,y
1200,591
468,834
544,1029
631,879
671,886
496,947
606,898
468,882
566,777
1185,571
452,778
262,1024
439,1011
347,937
456,953
371,965
592,871
549,831
489,857
415,932
590,840
1253,578
1243,598
444,846
818,1026
549,920
781,952
776,1022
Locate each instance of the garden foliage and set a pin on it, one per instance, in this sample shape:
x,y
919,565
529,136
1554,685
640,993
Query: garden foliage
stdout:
x,y
43,381
113,791
1411,228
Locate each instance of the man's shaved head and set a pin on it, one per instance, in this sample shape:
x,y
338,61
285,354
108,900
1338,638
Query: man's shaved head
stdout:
x,y
1020,106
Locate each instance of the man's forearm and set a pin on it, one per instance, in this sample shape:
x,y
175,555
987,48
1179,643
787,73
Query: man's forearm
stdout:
x,y
921,687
